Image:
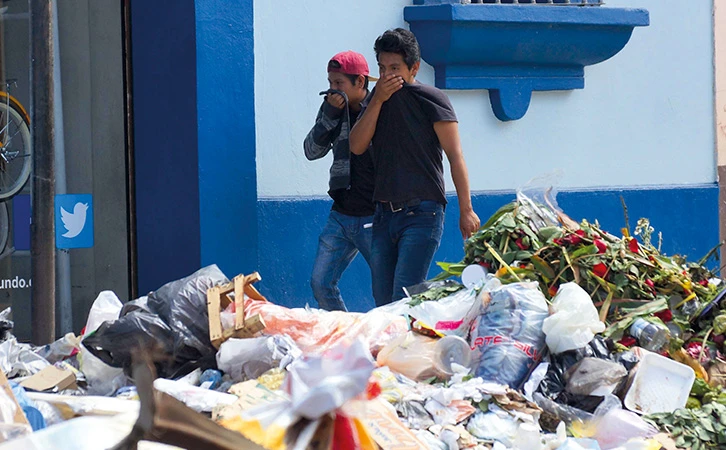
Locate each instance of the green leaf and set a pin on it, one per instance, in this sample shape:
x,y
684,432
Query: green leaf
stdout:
x,y
583,251
548,233
541,266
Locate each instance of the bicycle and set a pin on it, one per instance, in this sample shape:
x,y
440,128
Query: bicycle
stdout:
x,y
15,156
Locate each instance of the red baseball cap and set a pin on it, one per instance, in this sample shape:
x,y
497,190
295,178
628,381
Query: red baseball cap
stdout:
x,y
350,63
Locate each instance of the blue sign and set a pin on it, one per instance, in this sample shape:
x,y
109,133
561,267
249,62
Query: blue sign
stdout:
x,y
74,221
21,222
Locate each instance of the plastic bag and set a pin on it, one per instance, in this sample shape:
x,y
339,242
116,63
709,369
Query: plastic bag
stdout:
x,y
244,359
197,398
452,315
182,305
411,354
575,320
318,386
619,426
507,339
18,359
106,307
594,376
315,331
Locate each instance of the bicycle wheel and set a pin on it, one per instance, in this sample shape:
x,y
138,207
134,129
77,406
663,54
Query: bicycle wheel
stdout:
x,y
15,148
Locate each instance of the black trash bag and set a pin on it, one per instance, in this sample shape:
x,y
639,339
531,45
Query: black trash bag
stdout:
x,y
114,342
172,323
182,305
554,383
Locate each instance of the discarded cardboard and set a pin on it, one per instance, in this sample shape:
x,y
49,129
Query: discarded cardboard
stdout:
x,y
218,300
49,378
19,417
384,426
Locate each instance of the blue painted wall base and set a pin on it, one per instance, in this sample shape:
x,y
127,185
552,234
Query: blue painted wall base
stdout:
x,y
289,228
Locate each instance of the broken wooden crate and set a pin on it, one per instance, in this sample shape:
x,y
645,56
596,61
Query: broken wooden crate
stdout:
x,y
218,299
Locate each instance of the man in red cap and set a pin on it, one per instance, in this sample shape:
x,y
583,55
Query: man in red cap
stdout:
x,y
349,227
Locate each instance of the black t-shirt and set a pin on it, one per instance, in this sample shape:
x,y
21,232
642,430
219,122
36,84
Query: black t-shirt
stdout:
x,y
357,200
407,155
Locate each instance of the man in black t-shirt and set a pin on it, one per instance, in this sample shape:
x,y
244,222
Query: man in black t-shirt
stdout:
x,y
408,126
348,230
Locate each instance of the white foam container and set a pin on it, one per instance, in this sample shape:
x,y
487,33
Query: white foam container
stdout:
x,y
660,385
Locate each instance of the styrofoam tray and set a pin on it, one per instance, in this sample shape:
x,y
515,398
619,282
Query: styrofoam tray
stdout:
x,y
659,385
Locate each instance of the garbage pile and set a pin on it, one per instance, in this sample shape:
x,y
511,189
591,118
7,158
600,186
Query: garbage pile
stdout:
x,y
549,334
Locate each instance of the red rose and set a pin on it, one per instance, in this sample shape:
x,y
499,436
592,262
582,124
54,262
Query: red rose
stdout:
x,y
600,270
627,341
575,239
703,283
520,244
558,241
580,233
601,246
649,283
666,315
486,264
633,245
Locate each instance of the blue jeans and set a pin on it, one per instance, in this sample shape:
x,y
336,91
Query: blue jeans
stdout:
x,y
404,243
341,239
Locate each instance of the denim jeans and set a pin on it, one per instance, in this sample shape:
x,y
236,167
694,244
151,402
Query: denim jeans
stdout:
x,y
341,239
404,243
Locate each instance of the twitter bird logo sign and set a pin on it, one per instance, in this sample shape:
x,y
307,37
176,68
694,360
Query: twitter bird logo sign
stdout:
x,y
74,221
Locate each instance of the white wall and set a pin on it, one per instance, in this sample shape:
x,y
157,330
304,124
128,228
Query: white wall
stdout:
x,y
645,117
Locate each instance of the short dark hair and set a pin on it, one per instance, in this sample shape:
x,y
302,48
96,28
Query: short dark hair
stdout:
x,y
333,64
401,41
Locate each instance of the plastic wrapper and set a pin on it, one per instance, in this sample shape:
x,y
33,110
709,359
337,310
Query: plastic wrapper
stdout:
x,y
244,359
574,322
197,398
414,415
6,325
318,386
594,376
182,305
315,331
60,349
412,355
451,315
618,426
18,359
507,339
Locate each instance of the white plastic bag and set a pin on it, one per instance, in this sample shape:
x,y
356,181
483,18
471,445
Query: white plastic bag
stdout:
x,y
102,378
451,315
107,306
575,320
244,359
196,398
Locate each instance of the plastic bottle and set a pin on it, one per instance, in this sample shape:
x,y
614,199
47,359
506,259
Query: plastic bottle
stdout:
x,y
650,336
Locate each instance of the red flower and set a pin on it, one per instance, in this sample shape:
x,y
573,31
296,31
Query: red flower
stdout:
x,y
552,291
575,239
633,245
627,341
559,241
694,350
601,246
520,244
703,283
649,283
580,233
666,315
486,264
600,270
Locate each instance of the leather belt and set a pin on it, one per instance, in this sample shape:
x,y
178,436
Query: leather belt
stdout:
x,y
398,206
